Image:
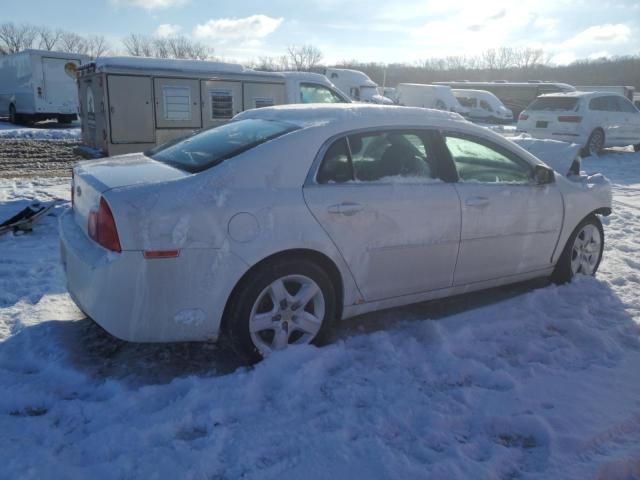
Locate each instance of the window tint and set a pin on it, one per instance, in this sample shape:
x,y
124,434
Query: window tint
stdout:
x,y
626,106
390,156
211,147
553,103
478,161
382,155
604,104
335,166
484,104
467,102
313,93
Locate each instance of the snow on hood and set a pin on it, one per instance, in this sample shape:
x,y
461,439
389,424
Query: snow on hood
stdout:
x,y
558,155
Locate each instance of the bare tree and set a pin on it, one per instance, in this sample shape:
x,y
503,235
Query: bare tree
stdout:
x,y
73,43
48,37
97,46
138,45
304,57
15,38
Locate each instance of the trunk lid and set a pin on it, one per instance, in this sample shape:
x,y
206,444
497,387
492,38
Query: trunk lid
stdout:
x,y
93,178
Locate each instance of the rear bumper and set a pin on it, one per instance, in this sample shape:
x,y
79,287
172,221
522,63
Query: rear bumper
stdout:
x,y
140,300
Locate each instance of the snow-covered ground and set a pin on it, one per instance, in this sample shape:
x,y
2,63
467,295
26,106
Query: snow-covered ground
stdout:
x,y
533,381
43,131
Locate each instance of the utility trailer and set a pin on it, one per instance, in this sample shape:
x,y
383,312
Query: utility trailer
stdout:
x,y
39,85
130,104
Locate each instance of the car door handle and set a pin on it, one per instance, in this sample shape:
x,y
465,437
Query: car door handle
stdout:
x,y
345,208
476,202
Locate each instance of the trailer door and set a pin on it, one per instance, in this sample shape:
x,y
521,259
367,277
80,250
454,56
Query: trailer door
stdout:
x,y
221,100
59,82
177,103
258,95
130,109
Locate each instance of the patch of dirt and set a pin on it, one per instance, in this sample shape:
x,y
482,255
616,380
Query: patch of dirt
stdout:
x,y
37,158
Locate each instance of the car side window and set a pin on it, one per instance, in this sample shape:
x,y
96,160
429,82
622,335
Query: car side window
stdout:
x,y
626,106
315,93
391,156
383,156
484,104
611,104
479,161
596,104
336,165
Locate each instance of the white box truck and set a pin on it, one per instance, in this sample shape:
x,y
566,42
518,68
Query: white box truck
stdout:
x,y
439,97
39,85
130,104
357,85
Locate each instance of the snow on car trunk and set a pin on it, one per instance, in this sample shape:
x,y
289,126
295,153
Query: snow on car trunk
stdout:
x,y
93,178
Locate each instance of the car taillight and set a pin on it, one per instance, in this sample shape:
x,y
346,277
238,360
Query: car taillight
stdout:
x,y
102,227
570,118
523,116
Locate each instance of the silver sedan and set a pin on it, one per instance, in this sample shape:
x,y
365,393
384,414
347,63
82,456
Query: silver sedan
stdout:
x,y
271,227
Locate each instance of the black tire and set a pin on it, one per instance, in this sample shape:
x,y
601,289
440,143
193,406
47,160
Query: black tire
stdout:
x,y
636,147
595,143
563,272
13,116
237,315
65,119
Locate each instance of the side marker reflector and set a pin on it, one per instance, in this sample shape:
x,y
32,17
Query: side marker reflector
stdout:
x,y
161,254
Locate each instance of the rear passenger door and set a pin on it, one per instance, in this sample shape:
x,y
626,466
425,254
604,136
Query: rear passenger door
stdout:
x,y
381,198
509,224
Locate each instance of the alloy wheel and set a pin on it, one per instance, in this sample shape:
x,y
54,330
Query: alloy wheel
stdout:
x,y
289,311
586,251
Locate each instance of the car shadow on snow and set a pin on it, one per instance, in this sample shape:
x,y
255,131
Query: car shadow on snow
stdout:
x,y
89,349
97,353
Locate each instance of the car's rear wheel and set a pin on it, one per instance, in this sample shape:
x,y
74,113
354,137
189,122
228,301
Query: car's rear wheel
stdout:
x,y
282,303
595,144
583,251
636,147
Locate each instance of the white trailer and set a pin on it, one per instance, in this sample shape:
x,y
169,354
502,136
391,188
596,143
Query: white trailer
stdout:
x,y
39,85
439,97
624,90
357,85
129,104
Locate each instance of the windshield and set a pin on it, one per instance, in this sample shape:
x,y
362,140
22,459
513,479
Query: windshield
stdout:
x,y
211,147
553,103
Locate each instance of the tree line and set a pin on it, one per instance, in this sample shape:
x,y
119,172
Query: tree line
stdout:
x,y
506,63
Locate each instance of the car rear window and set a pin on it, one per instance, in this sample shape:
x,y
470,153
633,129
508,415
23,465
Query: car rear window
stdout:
x,y
553,103
211,147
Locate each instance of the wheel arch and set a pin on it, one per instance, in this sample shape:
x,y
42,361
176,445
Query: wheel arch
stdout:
x,y
322,260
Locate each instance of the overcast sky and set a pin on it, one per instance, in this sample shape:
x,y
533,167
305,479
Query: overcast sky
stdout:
x,y
391,31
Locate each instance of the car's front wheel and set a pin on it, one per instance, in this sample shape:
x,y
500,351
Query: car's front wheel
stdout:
x,y
282,303
582,253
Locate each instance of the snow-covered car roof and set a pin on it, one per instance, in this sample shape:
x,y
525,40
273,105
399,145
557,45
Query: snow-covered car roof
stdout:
x,y
353,115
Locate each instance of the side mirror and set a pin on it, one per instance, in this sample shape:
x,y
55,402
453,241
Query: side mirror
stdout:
x,y
543,175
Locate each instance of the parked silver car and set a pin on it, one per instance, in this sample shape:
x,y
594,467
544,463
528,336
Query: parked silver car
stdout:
x,y
269,228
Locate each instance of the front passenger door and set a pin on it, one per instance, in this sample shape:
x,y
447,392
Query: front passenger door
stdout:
x,y
509,224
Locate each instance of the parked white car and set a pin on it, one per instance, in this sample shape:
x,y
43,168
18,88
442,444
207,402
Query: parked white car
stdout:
x,y
270,227
357,85
594,120
483,106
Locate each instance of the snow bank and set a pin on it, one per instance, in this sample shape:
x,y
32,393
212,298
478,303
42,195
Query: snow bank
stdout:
x,y
510,383
44,132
